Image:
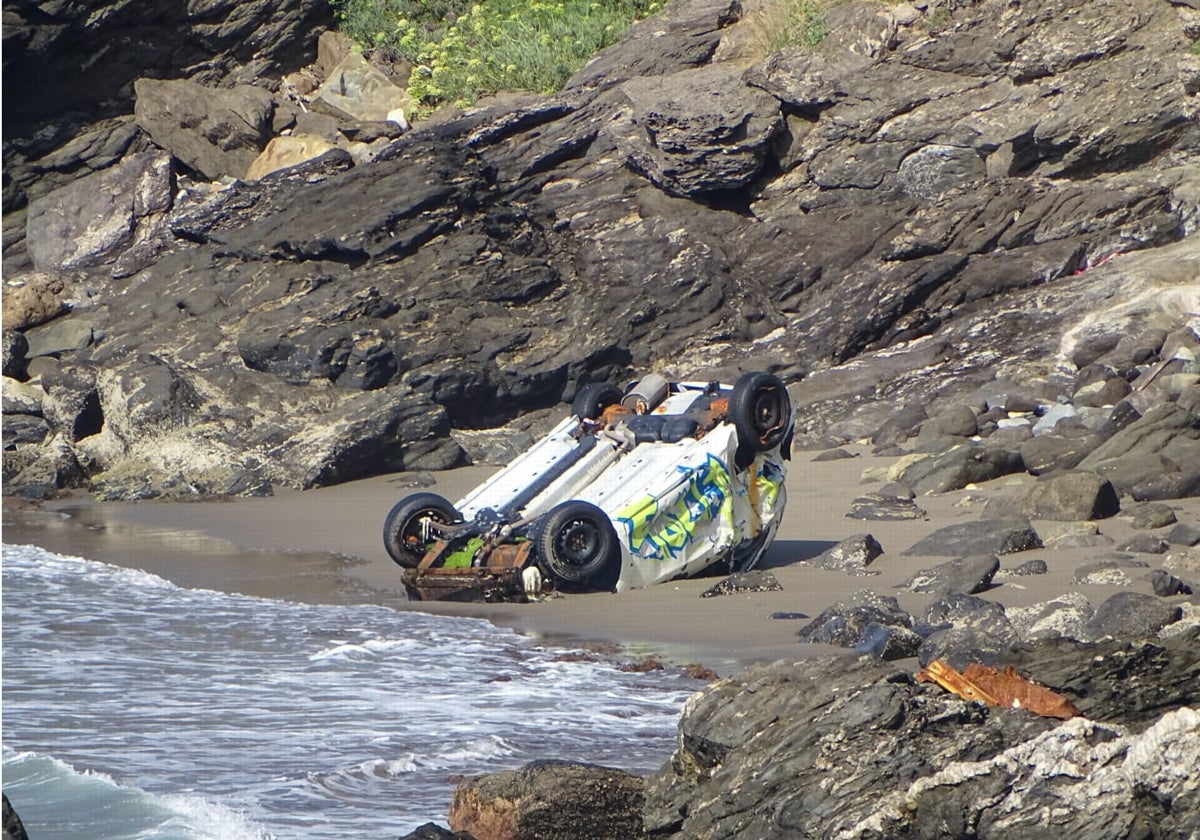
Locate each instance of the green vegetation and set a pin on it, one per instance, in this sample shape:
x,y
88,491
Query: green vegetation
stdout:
x,y
1194,49
788,23
461,50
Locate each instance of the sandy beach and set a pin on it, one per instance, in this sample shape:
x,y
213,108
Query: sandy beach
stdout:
x,y
324,546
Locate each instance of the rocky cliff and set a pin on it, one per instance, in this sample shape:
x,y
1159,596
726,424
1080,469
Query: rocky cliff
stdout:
x,y
933,202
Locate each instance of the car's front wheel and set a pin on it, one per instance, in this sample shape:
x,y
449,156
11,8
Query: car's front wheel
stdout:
x,y
406,534
578,547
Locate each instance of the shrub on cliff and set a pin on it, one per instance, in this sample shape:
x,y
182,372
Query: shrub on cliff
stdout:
x,y
462,50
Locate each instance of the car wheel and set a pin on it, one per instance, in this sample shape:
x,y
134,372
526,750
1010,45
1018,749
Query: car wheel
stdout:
x,y
404,534
577,546
761,411
591,400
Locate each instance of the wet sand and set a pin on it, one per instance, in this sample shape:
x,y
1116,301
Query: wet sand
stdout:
x,y
324,546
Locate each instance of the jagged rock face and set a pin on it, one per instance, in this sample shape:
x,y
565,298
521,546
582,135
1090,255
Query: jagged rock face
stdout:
x,y
853,748
74,56
900,210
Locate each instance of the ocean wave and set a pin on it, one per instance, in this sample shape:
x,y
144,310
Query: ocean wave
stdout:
x,y
56,800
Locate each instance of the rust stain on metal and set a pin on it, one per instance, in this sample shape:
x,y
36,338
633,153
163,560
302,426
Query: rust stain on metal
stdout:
x,y
1006,688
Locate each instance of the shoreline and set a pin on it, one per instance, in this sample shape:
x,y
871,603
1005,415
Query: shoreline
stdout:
x,y
324,546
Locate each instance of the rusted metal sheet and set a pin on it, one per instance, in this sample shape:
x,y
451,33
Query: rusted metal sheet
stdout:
x,y
1006,688
499,580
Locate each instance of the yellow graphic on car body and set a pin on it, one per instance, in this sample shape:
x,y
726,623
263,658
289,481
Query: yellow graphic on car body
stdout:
x,y
662,529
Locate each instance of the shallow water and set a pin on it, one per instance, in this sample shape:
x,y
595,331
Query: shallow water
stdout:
x,y
134,708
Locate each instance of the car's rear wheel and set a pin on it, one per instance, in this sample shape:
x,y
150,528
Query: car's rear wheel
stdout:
x,y
578,547
406,536
761,411
591,400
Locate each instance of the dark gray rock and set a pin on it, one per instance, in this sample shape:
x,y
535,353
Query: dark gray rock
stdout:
x,y
1148,516
966,575
964,464
879,507
851,747
1166,584
551,799
1004,535
132,198
15,346
215,132
1036,566
1065,497
758,580
1144,544
1184,533
14,829
1146,436
853,554
900,426
978,631
433,831
1130,683
957,420
1108,571
1063,617
72,403
1134,469
1129,616
696,131
1183,484
869,623
834,455
22,429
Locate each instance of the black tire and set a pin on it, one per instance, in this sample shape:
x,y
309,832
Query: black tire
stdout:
x,y
402,529
761,411
577,546
592,399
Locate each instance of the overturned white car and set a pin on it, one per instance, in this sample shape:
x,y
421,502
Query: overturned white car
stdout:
x,y
639,486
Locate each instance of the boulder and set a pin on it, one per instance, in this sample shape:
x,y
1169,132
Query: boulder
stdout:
x,y
1144,544
999,536
217,132
758,580
285,152
1146,436
967,575
867,622
880,507
550,799
1184,533
1166,584
94,219
970,629
853,555
1063,617
1109,571
1148,516
967,463
15,347
1129,616
357,91
1181,484
72,402
697,131
1066,497
40,297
